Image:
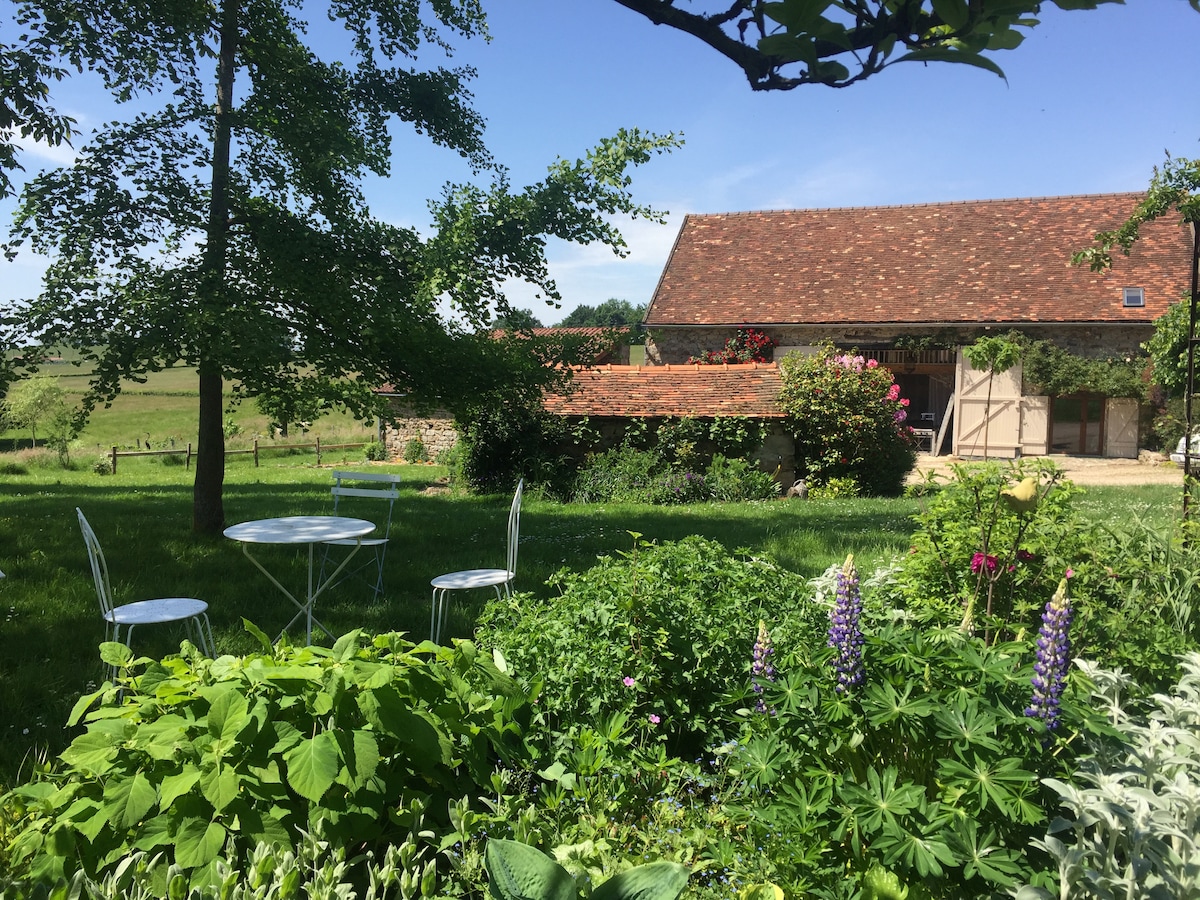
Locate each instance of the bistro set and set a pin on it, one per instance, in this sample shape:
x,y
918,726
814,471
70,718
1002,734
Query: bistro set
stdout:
x,y
335,544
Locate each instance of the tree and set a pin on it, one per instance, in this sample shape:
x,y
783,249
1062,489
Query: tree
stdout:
x,y
782,44
612,313
25,110
1168,348
36,401
994,354
225,227
1174,190
517,320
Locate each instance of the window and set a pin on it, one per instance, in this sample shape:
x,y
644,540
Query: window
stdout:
x,y
1135,297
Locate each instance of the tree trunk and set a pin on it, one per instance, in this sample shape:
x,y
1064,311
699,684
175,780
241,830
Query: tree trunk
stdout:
x,y
208,511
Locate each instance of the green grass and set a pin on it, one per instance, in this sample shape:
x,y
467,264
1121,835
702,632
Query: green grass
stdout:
x,y
164,411
49,617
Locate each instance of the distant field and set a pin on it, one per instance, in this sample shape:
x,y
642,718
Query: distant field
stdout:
x,y
163,411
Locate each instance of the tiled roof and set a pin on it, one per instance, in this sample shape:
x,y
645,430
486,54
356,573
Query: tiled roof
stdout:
x,y
594,331
740,390
1004,261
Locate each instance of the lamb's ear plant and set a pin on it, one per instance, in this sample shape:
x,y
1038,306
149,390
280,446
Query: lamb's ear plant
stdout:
x,y
1131,827
518,871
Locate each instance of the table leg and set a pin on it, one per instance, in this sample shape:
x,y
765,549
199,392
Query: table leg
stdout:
x,y
305,609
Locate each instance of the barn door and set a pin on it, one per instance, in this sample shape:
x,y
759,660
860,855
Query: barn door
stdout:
x,y
983,430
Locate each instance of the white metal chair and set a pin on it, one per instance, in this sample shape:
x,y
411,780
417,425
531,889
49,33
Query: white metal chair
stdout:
x,y
478,578
382,486
193,613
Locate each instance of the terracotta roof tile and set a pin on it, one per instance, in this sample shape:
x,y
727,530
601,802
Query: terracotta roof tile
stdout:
x,y
739,390
1002,261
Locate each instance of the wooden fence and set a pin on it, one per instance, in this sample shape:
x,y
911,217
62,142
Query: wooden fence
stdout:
x,y
188,453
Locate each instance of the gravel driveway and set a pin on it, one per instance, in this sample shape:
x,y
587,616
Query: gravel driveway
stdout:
x,y
1151,468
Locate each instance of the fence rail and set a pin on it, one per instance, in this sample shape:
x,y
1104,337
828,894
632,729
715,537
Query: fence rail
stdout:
x,y
188,452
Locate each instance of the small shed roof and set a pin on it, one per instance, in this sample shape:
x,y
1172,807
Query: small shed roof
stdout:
x,y
692,390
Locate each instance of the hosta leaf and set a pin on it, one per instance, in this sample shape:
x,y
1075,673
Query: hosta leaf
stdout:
x,y
517,871
127,800
198,842
312,765
653,881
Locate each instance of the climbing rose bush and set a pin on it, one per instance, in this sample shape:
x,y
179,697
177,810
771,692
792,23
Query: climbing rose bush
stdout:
x,y
848,419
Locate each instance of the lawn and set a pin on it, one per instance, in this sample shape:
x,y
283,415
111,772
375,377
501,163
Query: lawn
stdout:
x,y
142,517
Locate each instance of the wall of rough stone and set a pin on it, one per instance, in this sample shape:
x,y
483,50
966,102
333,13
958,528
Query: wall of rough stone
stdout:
x,y
674,346
434,429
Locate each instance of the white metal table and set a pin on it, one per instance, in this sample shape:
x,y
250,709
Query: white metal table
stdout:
x,y
311,530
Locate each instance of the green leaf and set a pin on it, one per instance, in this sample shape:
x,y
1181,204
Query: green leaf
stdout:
x,y
92,751
198,842
227,716
175,785
945,54
114,654
796,15
954,13
517,871
347,645
312,765
127,800
219,784
655,881
258,634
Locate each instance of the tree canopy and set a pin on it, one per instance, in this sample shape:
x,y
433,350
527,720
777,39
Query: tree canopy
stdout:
x,y
611,313
222,224
782,44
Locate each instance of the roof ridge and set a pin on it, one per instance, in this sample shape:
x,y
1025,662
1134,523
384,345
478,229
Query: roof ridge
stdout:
x,y
926,205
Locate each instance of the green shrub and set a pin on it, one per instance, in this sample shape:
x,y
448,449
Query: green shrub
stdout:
x,y
661,635
849,421
619,475
201,759
375,451
674,486
739,479
835,489
929,768
414,451
517,439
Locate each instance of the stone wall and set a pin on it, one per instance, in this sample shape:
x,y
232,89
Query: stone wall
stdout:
x,y
434,429
671,346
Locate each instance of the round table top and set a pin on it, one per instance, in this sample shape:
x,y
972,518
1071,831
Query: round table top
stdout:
x,y
299,530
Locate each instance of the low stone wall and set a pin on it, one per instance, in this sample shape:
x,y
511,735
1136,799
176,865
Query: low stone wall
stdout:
x,y
435,430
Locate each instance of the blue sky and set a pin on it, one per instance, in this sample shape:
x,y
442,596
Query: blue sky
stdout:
x,y
1093,101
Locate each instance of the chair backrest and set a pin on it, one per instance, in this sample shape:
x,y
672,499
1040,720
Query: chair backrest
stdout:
x,y
99,566
383,487
514,527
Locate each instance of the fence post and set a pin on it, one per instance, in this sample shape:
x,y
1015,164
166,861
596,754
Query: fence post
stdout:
x,y
256,453
188,460
318,450
114,460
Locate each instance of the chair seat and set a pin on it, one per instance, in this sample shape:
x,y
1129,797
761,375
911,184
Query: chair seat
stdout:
x,y
351,542
472,578
149,612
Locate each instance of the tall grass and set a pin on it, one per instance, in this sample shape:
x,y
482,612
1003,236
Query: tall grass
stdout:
x,y
49,617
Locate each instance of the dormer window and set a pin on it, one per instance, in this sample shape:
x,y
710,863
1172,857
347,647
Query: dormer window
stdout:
x,y
1135,297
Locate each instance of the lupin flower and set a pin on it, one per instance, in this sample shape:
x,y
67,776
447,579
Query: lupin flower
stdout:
x,y
845,635
1053,658
761,669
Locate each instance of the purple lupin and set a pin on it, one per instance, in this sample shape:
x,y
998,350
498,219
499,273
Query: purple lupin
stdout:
x,y
762,669
845,635
1053,658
